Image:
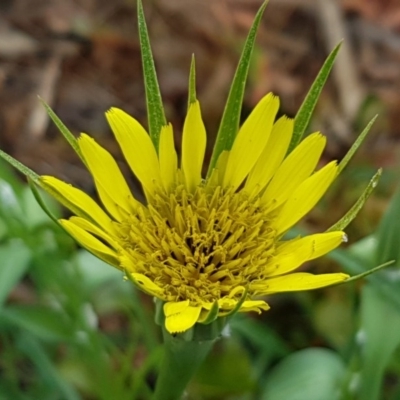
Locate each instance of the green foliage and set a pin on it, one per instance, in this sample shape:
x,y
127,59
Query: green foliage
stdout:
x,y
52,299
312,374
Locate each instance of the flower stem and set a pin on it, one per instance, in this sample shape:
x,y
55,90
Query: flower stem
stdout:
x,y
181,360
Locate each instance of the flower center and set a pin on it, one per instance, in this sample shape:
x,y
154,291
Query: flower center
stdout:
x,y
201,245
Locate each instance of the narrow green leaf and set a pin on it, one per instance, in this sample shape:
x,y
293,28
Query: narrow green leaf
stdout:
x,y
48,372
192,82
71,139
389,232
231,116
380,323
19,166
352,213
15,257
306,109
155,110
356,145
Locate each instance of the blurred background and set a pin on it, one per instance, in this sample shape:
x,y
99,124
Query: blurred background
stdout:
x,y
70,328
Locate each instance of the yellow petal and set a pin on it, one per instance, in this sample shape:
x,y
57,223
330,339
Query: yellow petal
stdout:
x,y
147,285
77,201
95,230
168,157
250,141
180,316
271,157
305,197
298,166
194,141
254,305
110,183
297,282
137,148
290,255
90,243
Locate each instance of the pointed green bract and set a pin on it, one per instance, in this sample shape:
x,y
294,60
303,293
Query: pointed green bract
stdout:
x,y
231,117
192,82
20,167
41,202
356,145
71,139
155,109
304,114
352,213
235,310
212,314
366,273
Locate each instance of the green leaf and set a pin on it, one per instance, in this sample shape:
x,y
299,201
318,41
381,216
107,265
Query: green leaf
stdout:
x,y
19,166
356,145
49,374
312,374
42,322
231,117
352,213
155,110
306,109
15,257
380,326
71,139
192,82
389,232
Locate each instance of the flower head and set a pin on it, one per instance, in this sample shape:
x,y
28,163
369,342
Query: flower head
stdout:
x,y
199,244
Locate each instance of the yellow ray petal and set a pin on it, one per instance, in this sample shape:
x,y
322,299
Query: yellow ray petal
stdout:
x,y
137,148
298,166
90,243
305,197
290,255
147,285
95,230
254,305
77,201
110,183
271,157
168,157
193,146
180,316
250,141
297,282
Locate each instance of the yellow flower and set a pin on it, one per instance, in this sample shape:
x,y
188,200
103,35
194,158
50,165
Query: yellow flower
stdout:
x,y
202,244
